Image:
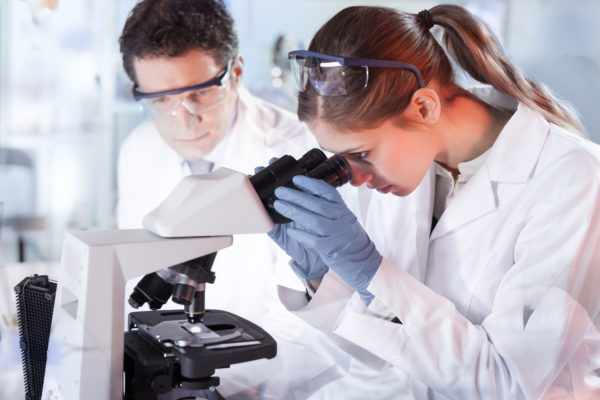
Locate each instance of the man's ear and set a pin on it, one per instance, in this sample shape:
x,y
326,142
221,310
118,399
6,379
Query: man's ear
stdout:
x,y
424,106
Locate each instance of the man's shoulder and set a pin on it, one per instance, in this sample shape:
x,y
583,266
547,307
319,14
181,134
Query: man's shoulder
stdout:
x,y
270,116
144,139
144,148
278,129
142,135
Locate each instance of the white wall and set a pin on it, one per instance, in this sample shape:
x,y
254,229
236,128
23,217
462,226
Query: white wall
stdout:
x,y
260,22
558,43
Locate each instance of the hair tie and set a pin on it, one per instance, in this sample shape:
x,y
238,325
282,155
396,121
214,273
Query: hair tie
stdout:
x,y
426,15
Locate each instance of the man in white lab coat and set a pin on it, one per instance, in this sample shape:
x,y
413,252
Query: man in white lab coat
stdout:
x,y
187,75
202,118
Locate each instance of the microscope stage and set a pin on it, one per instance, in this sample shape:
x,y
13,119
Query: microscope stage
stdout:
x,y
164,351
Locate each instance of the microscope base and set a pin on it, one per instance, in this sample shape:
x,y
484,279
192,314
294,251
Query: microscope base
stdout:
x,y
155,366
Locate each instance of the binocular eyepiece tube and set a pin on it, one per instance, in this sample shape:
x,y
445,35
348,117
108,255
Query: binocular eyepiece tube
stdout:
x,y
334,170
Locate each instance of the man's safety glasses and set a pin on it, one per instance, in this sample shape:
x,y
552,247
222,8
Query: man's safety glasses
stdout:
x,y
195,99
337,76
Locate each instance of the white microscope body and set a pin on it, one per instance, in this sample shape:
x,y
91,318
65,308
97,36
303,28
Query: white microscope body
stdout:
x,y
85,351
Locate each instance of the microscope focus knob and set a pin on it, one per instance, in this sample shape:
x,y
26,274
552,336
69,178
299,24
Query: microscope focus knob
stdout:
x,y
161,383
183,294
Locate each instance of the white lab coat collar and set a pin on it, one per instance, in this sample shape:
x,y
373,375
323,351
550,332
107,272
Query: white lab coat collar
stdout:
x,y
476,198
513,156
522,137
511,159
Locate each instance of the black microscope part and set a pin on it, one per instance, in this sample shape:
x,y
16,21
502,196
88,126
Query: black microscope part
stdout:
x,y
152,369
151,289
196,309
334,170
182,294
198,269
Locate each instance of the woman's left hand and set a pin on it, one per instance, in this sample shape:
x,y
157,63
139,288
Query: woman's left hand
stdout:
x,y
324,223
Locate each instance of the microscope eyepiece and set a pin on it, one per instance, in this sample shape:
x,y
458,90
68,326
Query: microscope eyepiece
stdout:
x,y
311,159
334,170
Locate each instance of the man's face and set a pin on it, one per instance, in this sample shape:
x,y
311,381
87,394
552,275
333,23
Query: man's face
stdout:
x,y
185,124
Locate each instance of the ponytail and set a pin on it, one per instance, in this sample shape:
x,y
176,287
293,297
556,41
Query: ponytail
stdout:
x,y
474,47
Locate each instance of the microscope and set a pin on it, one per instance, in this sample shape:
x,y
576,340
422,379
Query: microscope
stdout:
x,y
165,354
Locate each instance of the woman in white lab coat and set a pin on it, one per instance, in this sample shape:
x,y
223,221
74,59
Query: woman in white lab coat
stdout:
x,y
492,290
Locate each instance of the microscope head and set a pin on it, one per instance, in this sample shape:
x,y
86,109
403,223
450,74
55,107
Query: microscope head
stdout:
x,y
227,202
223,202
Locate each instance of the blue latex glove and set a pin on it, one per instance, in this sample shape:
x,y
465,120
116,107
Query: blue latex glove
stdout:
x,y
306,262
323,222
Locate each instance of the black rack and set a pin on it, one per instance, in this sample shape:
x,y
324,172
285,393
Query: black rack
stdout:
x,y
35,302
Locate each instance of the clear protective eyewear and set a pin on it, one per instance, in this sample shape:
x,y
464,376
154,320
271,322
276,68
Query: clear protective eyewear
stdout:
x,y
337,76
196,99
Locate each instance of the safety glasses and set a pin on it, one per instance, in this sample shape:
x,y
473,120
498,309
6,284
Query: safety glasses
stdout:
x,y
195,99
337,76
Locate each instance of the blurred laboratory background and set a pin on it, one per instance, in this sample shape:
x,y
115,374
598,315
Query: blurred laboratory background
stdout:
x,y
66,105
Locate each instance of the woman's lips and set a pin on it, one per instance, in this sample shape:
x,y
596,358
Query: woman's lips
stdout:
x,y
384,189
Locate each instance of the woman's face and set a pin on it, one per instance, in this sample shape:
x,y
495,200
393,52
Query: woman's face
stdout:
x,y
389,158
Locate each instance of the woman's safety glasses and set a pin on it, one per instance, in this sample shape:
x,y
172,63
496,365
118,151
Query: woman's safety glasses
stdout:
x,y
337,76
195,99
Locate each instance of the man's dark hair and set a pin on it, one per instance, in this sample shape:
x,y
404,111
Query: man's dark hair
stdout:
x,y
171,28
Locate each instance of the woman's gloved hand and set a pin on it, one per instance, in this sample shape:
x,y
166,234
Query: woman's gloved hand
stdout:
x,y
323,223
307,263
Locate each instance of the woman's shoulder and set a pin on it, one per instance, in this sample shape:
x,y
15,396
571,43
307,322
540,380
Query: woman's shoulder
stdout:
x,y
565,143
569,157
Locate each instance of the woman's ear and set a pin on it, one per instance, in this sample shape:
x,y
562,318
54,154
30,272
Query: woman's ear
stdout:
x,y
424,106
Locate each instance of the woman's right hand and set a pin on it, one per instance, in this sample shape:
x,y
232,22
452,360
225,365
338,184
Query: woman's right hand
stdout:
x,y
306,262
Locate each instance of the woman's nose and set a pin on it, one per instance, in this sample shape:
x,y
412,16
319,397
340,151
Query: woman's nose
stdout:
x,y
359,176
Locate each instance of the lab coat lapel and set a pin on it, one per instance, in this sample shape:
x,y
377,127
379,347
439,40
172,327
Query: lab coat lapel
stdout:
x,y
511,161
476,199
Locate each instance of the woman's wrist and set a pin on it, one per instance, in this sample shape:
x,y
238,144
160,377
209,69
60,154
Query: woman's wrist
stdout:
x,y
315,283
